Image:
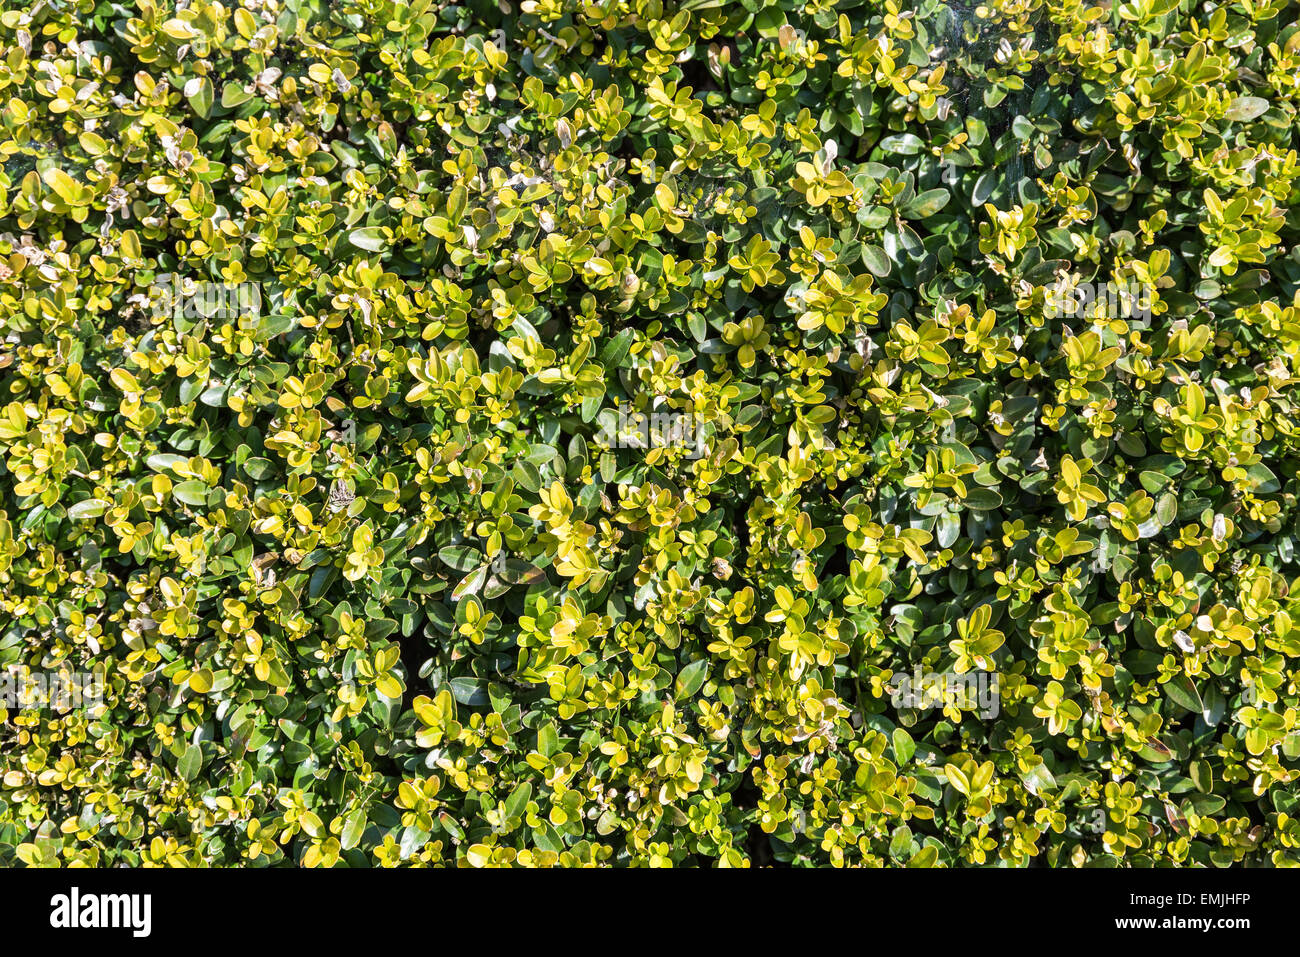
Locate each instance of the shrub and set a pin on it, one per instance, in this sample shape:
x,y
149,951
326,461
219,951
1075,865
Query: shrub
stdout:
x,y
628,433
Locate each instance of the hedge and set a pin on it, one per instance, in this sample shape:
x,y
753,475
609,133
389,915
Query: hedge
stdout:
x,y
637,433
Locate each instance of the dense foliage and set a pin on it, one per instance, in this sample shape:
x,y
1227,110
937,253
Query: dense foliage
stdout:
x,y
561,432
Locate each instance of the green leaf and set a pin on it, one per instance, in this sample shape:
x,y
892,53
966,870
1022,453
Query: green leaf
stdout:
x,y
462,558
199,92
691,678
768,22
354,826
904,746
1202,776
192,492
901,842
190,763
371,239
1245,108
1181,690
875,260
165,461
518,801
1038,779
88,509
259,468
902,144
926,204
64,186
233,94
928,856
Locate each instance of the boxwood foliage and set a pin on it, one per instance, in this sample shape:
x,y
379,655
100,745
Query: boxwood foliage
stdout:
x,y
372,571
